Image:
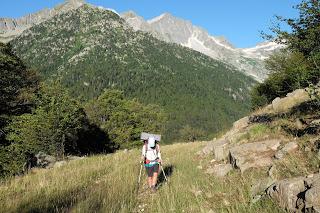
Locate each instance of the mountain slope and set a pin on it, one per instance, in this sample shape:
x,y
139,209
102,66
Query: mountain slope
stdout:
x,y
11,28
176,30
90,49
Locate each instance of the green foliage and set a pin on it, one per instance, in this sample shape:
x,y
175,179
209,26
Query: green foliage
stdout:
x,y
91,50
17,84
305,30
189,134
298,65
124,120
52,127
289,71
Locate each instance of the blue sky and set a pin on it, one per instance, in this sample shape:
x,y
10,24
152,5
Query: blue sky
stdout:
x,y
240,21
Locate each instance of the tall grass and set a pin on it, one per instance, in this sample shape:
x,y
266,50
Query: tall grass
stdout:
x,y
108,183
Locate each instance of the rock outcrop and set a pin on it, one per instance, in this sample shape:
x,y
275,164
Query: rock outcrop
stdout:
x,y
253,155
219,170
297,194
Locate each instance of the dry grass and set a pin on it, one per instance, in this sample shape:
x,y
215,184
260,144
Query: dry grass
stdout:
x,y
107,184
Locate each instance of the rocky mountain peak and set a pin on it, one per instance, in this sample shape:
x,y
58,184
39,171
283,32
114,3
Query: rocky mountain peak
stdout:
x,y
11,27
177,30
163,16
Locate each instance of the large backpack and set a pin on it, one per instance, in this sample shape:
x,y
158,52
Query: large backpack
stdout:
x,y
156,149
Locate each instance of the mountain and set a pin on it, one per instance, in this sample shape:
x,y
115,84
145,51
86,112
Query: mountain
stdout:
x,y
10,28
176,30
90,48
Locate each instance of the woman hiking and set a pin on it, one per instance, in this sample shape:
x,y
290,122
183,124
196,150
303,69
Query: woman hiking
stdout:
x,y
151,157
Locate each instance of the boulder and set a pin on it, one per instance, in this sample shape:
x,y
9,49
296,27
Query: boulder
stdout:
x,y
221,149
208,149
242,123
219,170
297,194
44,160
272,172
312,195
282,105
260,186
288,148
253,155
286,192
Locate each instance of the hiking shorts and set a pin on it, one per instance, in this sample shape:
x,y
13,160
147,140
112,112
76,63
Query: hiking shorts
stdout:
x,y
152,169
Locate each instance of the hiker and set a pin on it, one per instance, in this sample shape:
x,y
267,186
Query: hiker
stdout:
x,y
151,157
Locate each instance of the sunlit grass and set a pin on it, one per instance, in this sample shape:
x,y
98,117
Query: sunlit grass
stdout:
x,y
107,184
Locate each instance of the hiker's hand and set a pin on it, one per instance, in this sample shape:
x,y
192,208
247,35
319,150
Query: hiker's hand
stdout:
x,y
160,161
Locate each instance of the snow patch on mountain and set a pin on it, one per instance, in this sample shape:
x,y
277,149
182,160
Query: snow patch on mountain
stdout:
x,y
221,44
156,19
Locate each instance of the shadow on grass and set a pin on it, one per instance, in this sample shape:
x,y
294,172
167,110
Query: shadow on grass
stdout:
x,y
168,170
56,202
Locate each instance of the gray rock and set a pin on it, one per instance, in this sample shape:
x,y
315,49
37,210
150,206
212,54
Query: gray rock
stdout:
x,y
242,123
253,155
271,172
282,105
208,149
260,186
44,160
312,196
221,149
288,148
219,170
297,194
286,192
279,155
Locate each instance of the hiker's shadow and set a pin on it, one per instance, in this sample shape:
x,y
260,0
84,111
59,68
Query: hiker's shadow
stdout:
x,y
168,170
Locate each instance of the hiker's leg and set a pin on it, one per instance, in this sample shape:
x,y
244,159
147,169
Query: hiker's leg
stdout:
x,y
150,175
150,182
155,178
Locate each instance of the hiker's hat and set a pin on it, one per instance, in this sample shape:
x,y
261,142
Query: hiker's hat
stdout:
x,y
151,142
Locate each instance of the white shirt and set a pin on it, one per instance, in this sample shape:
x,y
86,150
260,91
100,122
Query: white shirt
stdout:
x,y
151,154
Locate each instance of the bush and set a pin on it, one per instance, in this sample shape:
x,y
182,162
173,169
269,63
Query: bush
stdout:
x,y
298,65
122,119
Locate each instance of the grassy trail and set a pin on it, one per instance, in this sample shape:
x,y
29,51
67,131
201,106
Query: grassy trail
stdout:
x,y
107,184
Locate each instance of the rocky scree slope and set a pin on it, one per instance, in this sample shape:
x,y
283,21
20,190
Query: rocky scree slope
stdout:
x,y
172,29
282,142
90,49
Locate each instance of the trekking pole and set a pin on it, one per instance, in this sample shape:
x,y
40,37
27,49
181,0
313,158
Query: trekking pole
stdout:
x,y
139,177
164,174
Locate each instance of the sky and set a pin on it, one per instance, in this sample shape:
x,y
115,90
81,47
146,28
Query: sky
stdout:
x,y
239,21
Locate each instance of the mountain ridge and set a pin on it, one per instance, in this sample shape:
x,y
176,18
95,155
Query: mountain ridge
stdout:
x,y
173,29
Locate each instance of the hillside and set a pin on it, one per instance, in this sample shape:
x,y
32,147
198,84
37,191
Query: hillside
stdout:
x,y
90,49
176,30
260,165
